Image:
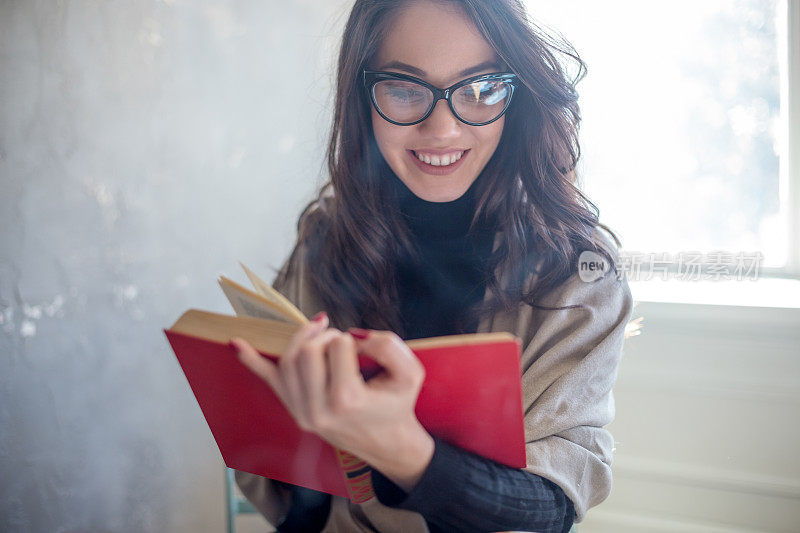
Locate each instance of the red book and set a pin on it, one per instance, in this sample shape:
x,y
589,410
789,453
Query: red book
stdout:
x,y
471,398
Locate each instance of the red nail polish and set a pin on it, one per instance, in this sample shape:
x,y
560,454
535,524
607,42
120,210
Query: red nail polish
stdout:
x,y
319,316
358,333
232,345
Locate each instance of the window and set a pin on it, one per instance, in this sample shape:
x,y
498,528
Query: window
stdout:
x,y
685,132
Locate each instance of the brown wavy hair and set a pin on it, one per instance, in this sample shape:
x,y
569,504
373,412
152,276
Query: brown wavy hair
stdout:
x,y
352,233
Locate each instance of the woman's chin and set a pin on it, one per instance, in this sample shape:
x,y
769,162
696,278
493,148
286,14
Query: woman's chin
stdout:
x,y
440,191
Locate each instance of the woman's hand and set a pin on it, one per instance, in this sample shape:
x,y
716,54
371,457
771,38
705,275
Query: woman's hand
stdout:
x,y
319,381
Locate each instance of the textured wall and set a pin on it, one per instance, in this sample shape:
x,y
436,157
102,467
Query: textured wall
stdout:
x,y
145,147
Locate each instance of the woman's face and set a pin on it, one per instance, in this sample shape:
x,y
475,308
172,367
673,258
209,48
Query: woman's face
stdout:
x,y
439,44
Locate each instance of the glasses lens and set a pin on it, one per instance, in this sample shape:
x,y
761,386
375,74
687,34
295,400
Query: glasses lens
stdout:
x,y
402,101
481,101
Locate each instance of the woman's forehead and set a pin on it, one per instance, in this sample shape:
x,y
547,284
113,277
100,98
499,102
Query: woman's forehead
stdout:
x,y
436,42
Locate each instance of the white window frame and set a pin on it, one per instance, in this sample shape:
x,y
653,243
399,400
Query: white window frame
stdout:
x,y
790,159
791,174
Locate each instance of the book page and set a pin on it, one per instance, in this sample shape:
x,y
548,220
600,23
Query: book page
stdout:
x,y
248,303
266,290
267,336
272,336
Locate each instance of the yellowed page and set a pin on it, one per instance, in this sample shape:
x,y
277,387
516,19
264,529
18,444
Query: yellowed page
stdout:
x,y
272,336
265,289
248,303
266,336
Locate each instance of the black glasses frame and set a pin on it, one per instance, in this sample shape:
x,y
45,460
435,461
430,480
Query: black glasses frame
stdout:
x,y
371,77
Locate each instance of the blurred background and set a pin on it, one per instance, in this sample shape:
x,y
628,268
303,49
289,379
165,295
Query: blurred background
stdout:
x,y
147,147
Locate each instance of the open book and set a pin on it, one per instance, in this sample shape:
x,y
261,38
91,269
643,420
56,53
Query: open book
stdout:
x,y
471,396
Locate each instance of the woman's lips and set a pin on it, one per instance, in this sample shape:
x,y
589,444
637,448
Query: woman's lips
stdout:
x,y
438,170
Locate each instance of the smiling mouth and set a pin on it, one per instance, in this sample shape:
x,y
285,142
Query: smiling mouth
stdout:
x,y
440,160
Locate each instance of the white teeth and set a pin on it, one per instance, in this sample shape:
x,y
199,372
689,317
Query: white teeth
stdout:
x,y
440,161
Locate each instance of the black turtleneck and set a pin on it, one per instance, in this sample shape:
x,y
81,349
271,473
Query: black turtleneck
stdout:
x,y
459,491
449,275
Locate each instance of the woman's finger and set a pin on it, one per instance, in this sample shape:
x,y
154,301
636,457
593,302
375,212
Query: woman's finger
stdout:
x,y
390,352
287,364
314,327
345,377
311,372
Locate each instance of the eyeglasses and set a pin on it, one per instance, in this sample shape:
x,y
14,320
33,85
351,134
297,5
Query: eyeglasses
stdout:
x,y
405,100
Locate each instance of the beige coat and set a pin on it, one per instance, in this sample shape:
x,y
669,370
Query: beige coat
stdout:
x,y
569,366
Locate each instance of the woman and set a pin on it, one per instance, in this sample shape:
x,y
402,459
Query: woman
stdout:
x,y
448,212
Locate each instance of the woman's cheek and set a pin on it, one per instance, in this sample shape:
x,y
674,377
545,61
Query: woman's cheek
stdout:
x,y
391,142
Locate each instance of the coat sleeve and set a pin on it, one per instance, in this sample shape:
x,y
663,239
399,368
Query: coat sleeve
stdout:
x,y
273,499
569,366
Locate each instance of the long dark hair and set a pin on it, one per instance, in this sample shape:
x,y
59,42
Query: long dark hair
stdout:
x,y
352,233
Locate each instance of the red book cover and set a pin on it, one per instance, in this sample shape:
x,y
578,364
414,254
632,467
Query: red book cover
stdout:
x,y
471,398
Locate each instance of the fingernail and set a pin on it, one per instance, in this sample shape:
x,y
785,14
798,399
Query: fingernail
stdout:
x,y
233,345
319,316
358,333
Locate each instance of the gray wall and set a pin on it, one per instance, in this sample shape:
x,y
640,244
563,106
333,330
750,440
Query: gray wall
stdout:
x,y
145,147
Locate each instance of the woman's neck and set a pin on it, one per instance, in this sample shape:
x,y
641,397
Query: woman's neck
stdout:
x,y
436,220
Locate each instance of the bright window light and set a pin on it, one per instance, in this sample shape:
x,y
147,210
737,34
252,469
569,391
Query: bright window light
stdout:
x,y
682,128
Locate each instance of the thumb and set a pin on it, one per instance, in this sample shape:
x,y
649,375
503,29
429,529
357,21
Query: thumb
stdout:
x,y
390,352
311,329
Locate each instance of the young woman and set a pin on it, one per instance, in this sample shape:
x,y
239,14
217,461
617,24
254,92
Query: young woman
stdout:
x,y
451,208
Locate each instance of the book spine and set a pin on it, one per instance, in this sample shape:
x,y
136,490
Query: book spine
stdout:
x,y
357,476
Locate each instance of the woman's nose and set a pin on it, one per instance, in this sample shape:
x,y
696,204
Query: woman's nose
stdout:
x,y
441,121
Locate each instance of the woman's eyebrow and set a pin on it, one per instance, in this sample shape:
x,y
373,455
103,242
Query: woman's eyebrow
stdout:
x,y
414,71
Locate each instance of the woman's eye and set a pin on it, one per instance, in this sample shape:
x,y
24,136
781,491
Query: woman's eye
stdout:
x,y
405,95
484,93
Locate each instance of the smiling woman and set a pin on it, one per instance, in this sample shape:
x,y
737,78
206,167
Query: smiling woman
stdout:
x,y
409,152
451,208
